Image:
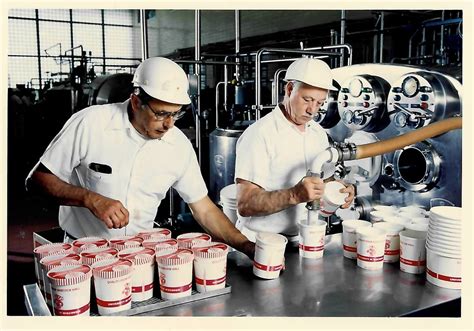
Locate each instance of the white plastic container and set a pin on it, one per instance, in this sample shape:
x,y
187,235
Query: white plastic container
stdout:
x,y
392,240
92,255
311,239
443,271
412,251
176,274
155,232
143,260
71,288
123,242
210,266
45,250
112,282
51,261
332,198
349,237
191,239
269,255
370,248
84,243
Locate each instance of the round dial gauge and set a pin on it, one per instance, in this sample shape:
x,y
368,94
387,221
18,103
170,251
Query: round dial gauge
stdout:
x,y
410,86
355,87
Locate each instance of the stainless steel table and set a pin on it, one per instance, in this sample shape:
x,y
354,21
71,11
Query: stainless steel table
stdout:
x,y
331,286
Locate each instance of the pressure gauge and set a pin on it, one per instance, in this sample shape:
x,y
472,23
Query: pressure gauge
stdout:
x,y
355,87
410,86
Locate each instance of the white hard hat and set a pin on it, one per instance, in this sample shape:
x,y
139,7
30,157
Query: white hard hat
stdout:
x,y
163,79
313,72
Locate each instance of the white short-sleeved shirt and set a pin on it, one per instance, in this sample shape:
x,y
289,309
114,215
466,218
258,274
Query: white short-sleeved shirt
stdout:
x,y
274,154
142,169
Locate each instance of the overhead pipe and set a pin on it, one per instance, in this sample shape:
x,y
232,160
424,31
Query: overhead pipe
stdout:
x,y
341,46
197,71
343,27
258,68
237,42
276,79
144,34
382,26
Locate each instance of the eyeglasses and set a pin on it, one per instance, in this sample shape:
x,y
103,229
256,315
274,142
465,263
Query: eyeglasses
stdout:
x,y
163,115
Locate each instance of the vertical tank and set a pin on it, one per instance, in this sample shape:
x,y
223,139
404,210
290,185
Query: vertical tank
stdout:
x,y
222,148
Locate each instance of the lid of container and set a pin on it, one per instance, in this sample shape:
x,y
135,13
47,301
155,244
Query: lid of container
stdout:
x,y
331,191
188,240
112,268
50,261
269,238
48,249
126,241
211,250
90,255
138,255
89,242
152,241
155,232
64,275
181,256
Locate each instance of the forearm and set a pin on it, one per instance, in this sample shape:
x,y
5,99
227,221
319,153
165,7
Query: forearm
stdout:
x,y
261,202
64,193
215,223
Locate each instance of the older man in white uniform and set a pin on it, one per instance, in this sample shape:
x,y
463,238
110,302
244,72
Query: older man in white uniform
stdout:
x,y
111,165
275,153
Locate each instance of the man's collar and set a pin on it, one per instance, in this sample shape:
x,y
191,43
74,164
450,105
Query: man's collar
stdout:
x,y
283,123
120,121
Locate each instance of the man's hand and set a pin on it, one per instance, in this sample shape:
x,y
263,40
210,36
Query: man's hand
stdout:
x,y
349,188
308,189
109,211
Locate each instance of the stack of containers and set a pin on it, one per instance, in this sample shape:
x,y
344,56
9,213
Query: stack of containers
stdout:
x,y
228,196
143,260
155,233
51,261
443,247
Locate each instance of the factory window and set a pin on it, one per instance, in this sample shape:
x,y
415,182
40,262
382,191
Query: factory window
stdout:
x,y
46,44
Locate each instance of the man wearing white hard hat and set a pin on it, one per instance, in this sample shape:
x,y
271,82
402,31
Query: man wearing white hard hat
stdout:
x,y
274,154
111,165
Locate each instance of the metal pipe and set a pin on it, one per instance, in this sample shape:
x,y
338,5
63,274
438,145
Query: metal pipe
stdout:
x,y
441,40
343,27
423,44
197,71
217,103
226,81
346,46
237,42
144,34
410,43
258,69
294,58
412,137
382,26
276,80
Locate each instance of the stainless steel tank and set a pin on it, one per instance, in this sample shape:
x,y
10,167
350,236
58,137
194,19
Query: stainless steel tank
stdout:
x,y
222,149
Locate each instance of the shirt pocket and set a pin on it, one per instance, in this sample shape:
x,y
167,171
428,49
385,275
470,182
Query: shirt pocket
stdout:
x,y
104,184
